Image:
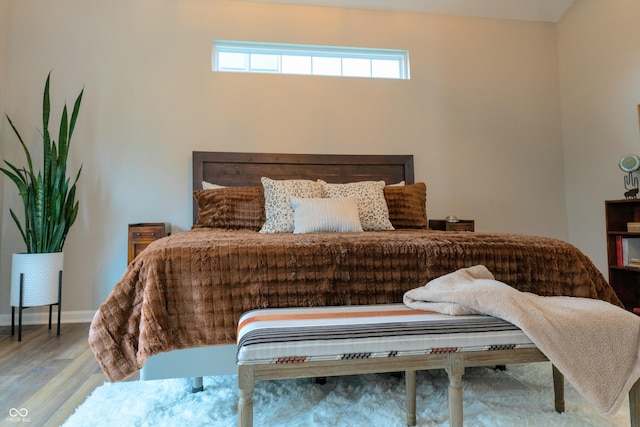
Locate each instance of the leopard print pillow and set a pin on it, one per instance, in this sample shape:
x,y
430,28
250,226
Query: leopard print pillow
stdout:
x,y
277,201
372,206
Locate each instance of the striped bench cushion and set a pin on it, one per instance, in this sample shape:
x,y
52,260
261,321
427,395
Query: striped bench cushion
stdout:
x,y
293,335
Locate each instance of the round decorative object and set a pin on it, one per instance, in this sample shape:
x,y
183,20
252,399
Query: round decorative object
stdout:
x,y
451,218
630,163
41,278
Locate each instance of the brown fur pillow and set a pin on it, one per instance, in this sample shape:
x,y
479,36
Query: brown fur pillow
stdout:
x,y
407,205
231,208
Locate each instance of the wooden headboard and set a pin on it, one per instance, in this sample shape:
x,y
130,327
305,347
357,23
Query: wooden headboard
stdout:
x,y
246,169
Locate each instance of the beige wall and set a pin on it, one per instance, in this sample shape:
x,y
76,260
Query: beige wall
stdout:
x,y
4,41
481,112
599,68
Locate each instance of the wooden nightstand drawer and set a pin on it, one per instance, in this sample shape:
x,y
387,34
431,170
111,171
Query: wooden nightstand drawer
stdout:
x,y
461,225
147,232
143,234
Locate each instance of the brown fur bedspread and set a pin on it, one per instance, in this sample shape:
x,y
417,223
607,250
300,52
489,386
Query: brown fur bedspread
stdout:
x,y
189,289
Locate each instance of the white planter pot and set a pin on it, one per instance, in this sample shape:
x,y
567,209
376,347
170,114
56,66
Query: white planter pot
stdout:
x,y
41,278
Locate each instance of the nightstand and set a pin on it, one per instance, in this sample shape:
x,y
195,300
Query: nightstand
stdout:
x,y
443,224
143,234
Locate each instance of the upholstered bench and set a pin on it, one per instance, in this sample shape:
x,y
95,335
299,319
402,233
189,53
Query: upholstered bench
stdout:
x,y
328,341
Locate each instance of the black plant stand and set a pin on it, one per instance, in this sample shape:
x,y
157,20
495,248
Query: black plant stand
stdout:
x,y
21,307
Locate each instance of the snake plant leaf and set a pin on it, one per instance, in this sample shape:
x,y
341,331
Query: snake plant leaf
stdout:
x,y
46,109
24,146
17,177
74,114
62,137
15,219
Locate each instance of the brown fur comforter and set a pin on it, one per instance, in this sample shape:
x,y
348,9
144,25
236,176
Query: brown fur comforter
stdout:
x,y
189,289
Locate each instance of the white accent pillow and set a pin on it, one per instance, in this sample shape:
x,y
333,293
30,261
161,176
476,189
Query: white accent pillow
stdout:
x,y
372,206
209,186
338,215
277,201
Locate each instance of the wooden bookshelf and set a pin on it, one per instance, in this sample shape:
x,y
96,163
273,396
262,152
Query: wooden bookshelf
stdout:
x,y
624,279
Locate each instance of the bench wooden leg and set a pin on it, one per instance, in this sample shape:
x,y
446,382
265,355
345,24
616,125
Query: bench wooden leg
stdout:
x,y
455,371
246,381
634,404
558,389
410,382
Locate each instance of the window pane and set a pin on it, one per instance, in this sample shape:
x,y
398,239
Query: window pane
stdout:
x,y
261,62
385,68
231,61
326,66
356,67
294,64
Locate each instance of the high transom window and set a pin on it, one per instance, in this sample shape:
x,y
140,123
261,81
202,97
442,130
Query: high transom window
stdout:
x,y
249,57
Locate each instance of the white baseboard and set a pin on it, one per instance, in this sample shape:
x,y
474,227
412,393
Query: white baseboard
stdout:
x,y
42,317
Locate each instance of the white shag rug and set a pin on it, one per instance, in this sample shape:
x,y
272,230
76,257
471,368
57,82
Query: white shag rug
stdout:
x,y
520,396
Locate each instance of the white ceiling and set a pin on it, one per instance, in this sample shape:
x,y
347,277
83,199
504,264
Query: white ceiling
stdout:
x,y
527,10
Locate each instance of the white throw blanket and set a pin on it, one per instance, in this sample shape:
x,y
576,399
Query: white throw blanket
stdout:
x,y
593,343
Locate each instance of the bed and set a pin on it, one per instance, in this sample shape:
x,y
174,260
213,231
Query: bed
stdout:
x,y
175,311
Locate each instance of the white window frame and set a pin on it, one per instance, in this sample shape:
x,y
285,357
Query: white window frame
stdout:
x,y
244,51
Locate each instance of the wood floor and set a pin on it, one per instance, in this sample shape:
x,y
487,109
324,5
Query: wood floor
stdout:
x,y
46,374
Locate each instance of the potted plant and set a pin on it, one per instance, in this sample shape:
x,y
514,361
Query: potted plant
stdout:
x,y
50,209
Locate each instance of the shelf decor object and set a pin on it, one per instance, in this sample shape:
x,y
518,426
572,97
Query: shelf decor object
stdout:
x,y
630,163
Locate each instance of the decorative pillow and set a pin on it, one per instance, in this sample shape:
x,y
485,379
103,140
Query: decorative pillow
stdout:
x,y
407,205
372,206
277,201
209,186
335,215
231,208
